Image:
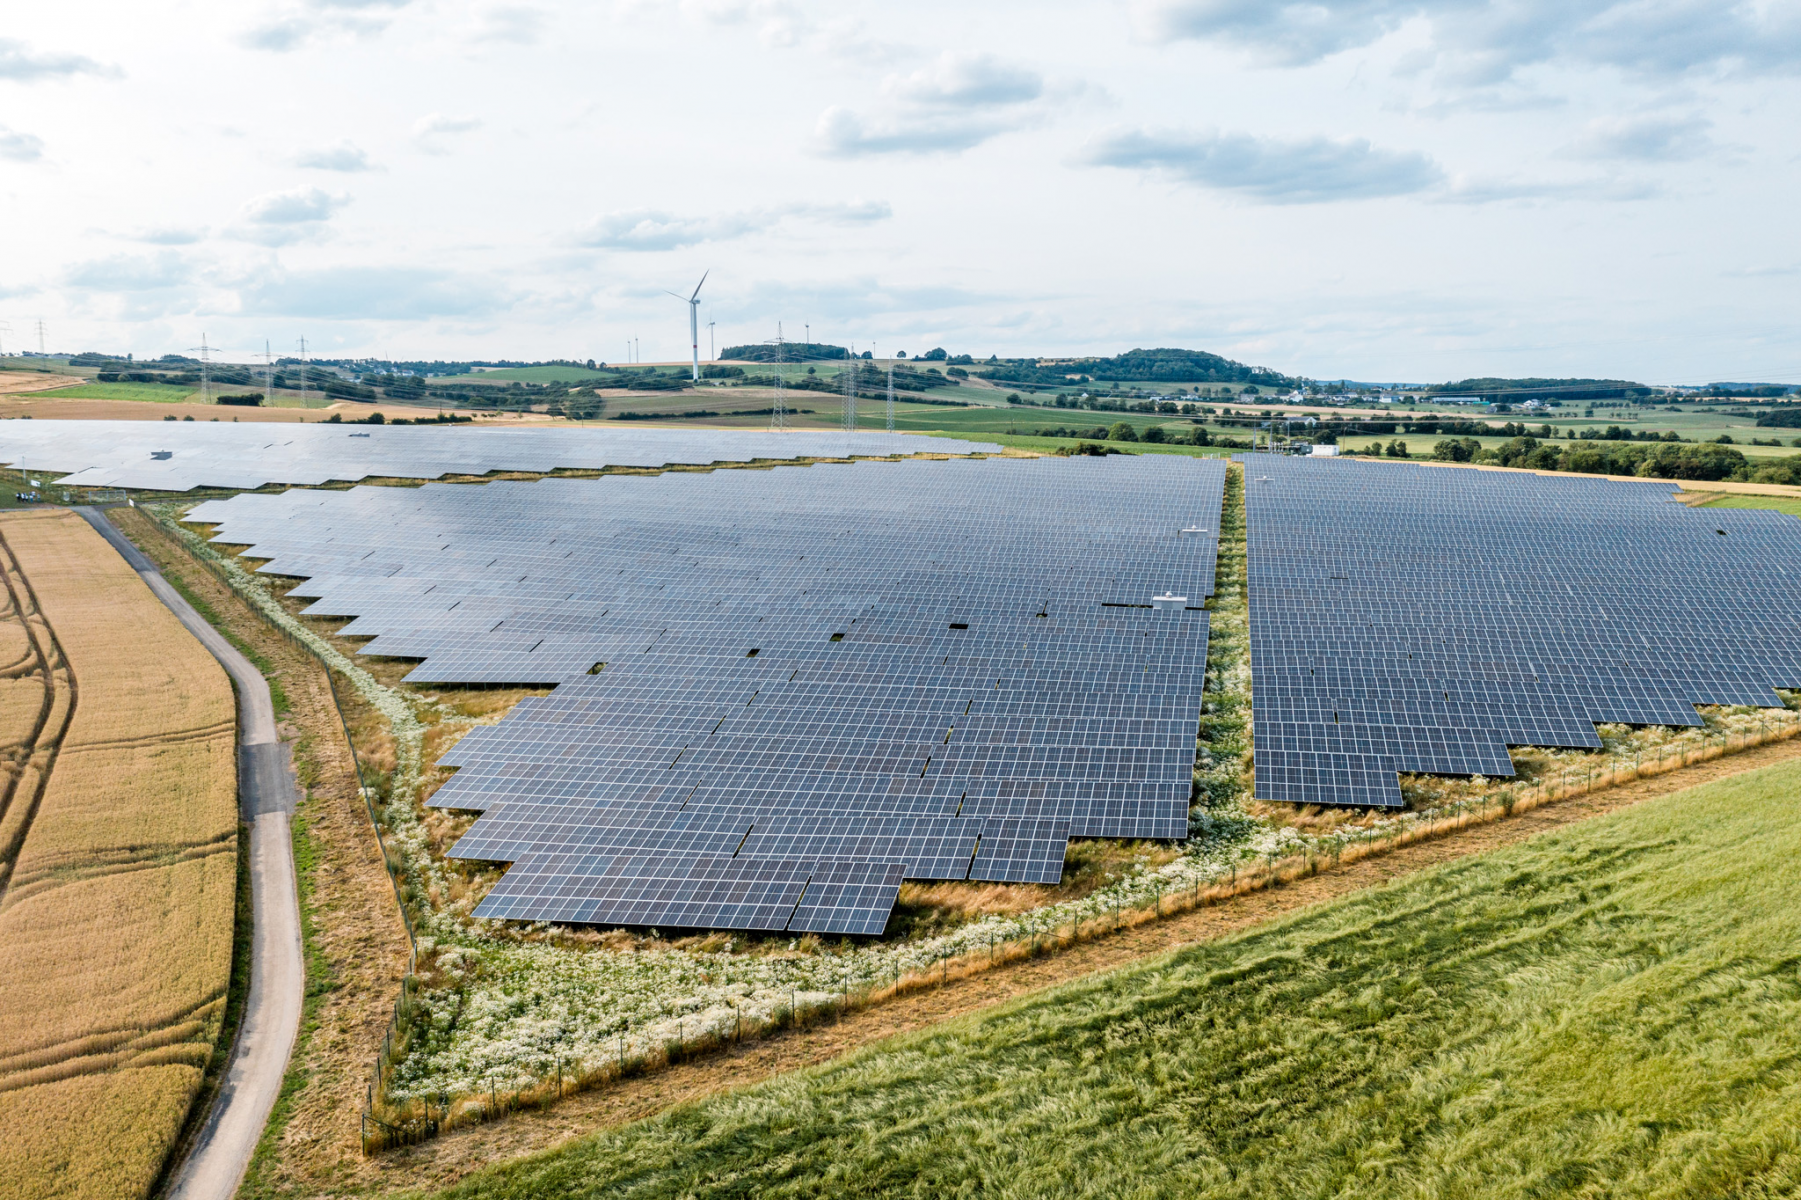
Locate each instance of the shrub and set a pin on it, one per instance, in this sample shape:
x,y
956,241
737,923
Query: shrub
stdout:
x,y
1121,431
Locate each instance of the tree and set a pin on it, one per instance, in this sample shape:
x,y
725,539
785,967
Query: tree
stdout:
x,y
1153,434
1396,449
1121,431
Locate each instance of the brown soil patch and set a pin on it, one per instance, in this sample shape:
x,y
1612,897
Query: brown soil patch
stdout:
x,y
441,1162
357,947
14,383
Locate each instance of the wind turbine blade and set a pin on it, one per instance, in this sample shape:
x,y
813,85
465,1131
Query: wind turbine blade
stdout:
x,y
701,284
677,295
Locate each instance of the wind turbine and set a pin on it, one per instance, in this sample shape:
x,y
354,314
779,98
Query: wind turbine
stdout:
x,y
693,303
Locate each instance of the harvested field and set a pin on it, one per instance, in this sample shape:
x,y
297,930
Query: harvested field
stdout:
x,y
117,909
19,383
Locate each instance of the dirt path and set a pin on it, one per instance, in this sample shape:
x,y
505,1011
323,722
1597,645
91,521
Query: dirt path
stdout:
x,y
222,1149
356,949
447,1159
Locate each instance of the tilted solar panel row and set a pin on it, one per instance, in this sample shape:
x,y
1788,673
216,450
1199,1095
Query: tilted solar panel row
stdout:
x,y
133,454
1414,618
779,693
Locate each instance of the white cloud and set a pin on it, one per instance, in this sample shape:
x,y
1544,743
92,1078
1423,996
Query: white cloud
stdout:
x,y
170,236
16,146
283,32
1480,43
342,157
278,36
968,81
131,273
286,217
841,133
18,61
958,101
293,207
431,130
514,23
374,293
1650,138
1488,189
1270,170
652,230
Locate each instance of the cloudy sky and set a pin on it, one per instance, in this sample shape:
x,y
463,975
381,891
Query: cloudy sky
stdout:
x,y
1380,189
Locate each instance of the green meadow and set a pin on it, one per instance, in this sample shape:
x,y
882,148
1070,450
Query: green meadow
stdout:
x,y
160,393
1609,1010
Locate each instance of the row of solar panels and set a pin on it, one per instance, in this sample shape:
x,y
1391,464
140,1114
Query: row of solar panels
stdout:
x,y
1414,618
780,693
183,456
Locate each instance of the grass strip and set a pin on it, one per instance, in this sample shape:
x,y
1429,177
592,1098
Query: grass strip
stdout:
x,y
1605,1010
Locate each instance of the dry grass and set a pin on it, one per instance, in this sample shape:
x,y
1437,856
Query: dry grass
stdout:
x,y
116,922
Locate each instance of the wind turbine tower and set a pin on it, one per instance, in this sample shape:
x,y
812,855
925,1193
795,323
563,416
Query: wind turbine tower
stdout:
x,y
693,303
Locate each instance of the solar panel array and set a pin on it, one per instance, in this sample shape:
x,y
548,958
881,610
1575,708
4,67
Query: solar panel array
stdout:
x,y
1414,618
179,456
782,692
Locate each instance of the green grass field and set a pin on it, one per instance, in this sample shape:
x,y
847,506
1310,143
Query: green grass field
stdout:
x,y
1786,504
160,393
523,375
1609,1010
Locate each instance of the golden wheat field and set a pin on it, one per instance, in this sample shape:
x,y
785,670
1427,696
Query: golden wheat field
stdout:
x,y
117,865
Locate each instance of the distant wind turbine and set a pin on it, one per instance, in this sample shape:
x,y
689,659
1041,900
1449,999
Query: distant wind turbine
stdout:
x,y
693,303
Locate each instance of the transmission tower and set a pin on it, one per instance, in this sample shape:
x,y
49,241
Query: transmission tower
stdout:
x,y
778,413
890,394
850,391
303,403
40,335
268,376
206,387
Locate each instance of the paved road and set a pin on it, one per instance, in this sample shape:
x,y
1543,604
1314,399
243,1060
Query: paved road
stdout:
x,y
221,1152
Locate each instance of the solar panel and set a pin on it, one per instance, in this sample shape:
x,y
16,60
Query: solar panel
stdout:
x,y
1413,618
180,456
780,693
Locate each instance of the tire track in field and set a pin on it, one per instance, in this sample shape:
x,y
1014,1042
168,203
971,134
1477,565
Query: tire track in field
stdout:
x,y
36,756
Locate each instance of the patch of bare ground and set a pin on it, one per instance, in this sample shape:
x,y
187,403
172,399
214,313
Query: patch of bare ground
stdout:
x,y
448,1158
18,383
356,944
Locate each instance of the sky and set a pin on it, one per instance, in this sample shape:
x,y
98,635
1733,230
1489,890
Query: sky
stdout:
x,y
1374,189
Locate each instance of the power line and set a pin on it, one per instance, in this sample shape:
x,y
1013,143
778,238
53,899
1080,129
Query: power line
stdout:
x,y
206,387
850,391
778,412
